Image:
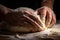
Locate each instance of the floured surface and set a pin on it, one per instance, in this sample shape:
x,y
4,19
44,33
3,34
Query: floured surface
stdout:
x,y
52,33
55,31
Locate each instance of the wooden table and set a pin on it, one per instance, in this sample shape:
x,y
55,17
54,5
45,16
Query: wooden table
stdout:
x,y
49,34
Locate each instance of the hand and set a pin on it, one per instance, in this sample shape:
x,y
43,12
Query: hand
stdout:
x,y
30,19
24,18
47,16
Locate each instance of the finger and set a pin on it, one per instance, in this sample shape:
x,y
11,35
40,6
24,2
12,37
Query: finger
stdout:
x,y
30,15
53,21
36,25
35,18
42,14
38,20
48,18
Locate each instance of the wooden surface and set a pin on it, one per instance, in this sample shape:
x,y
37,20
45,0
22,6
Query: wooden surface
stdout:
x,y
49,34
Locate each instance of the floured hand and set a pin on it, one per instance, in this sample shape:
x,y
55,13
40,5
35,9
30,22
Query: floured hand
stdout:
x,y
47,16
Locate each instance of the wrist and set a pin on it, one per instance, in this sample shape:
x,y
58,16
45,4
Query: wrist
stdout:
x,y
48,3
47,6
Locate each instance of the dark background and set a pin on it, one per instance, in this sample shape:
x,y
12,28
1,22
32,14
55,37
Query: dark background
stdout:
x,y
34,4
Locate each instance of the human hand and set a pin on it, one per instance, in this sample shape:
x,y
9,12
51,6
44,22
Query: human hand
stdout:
x,y
32,20
25,18
47,16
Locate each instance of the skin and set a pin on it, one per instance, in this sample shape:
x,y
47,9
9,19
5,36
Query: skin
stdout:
x,y
33,20
48,3
47,16
46,10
